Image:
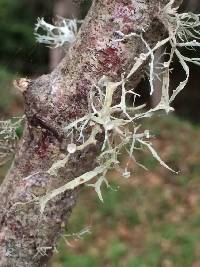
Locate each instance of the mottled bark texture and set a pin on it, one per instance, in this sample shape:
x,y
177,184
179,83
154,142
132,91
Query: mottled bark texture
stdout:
x,y
52,101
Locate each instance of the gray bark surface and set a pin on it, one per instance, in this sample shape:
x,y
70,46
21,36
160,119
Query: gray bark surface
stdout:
x,y
51,102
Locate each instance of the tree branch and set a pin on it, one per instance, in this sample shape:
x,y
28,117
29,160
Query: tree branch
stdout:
x,y
51,102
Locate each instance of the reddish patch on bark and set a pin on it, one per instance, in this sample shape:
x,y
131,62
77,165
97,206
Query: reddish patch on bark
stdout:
x,y
43,145
15,226
22,183
109,59
124,12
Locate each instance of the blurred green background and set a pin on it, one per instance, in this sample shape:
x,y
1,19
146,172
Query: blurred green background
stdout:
x,y
151,219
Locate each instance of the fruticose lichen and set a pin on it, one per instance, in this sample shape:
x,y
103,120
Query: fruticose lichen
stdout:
x,y
63,32
120,122
8,138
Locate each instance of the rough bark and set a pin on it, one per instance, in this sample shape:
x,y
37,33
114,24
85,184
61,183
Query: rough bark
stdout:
x,y
52,101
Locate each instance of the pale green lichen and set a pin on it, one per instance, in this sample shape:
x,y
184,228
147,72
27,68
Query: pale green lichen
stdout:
x,y
8,138
119,122
63,32
75,236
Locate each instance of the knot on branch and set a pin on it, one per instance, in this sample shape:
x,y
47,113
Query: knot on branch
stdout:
x,y
22,84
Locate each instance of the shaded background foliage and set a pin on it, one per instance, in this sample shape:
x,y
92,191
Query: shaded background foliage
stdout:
x,y
153,220
19,51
